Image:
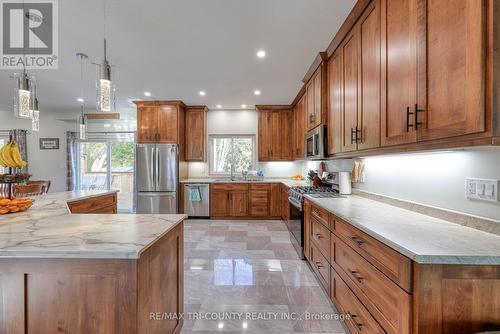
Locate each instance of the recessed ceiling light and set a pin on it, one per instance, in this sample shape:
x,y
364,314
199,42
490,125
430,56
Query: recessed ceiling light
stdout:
x,y
257,92
148,94
80,100
219,106
243,105
202,93
261,53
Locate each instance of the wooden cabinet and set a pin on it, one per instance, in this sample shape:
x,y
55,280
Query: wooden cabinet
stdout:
x,y
276,200
285,205
260,200
161,122
299,124
106,204
452,47
229,200
275,133
196,133
316,98
354,74
435,61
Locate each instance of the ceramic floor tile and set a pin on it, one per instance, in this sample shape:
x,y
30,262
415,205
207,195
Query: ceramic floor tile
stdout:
x,y
250,268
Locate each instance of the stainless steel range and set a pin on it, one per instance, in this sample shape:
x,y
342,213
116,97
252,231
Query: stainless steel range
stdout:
x,y
296,199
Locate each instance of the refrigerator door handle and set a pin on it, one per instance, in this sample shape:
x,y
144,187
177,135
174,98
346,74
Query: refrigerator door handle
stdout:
x,y
157,167
152,167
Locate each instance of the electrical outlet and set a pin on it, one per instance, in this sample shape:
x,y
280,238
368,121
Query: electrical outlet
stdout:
x,y
481,189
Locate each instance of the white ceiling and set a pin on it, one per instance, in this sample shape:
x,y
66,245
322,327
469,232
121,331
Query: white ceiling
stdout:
x,y
176,48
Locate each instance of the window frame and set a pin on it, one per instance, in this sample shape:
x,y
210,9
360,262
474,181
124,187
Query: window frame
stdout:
x,y
211,138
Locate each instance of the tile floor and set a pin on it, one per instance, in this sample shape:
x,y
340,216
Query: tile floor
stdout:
x,y
245,277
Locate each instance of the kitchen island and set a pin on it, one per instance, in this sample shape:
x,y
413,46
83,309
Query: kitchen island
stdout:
x,y
89,273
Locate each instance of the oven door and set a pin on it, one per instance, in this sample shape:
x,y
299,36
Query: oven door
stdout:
x,y
296,228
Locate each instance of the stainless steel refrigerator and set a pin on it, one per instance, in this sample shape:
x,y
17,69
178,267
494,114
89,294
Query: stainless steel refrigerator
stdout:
x,y
156,178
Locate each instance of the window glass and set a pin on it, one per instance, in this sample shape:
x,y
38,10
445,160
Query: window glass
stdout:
x,y
227,151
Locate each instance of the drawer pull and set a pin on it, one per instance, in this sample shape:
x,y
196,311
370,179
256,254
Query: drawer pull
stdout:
x,y
318,265
356,276
318,236
353,317
356,240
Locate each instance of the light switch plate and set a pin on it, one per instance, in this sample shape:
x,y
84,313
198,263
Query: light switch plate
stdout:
x,y
481,189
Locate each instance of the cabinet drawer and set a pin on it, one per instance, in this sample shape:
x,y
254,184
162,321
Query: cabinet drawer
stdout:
x,y
260,186
259,196
230,186
92,204
259,210
395,265
320,214
388,303
360,320
320,235
104,210
320,266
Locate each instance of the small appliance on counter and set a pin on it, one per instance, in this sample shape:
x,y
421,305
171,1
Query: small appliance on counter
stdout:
x,y
197,200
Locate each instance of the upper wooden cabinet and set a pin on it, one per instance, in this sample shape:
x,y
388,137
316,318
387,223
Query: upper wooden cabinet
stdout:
x,y
435,61
196,133
160,122
316,98
275,133
299,125
354,95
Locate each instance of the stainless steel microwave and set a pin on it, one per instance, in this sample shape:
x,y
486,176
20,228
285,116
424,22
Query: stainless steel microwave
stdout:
x,y
315,143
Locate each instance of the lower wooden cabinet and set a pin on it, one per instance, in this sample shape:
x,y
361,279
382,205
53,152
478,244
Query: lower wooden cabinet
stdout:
x,y
106,204
246,200
382,291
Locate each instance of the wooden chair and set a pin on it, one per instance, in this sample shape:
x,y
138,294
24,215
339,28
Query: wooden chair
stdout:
x,y
45,184
28,190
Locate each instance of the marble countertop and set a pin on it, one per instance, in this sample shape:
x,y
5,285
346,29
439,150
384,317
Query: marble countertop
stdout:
x,y
422,238
48,230
286,181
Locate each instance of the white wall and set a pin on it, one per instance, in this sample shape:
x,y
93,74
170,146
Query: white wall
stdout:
x,y
43,164
234,122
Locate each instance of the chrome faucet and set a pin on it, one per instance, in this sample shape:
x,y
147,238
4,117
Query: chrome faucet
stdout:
x,y
232,171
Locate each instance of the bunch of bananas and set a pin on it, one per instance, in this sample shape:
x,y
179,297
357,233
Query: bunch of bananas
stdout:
x,y
10,156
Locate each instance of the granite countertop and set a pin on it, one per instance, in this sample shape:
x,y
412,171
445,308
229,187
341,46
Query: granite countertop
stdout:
x,y
286,181
424,239
48,230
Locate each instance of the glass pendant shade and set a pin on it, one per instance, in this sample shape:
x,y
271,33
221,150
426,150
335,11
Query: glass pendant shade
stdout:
x,y
82,125
22,98
35,116
105,89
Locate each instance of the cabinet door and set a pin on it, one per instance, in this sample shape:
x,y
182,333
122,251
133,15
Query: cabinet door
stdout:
x,y
286,135
265,135
220,203
335,103
168,124
369,102
238,206
300,128
350,74
307,229
276,135
147,124
399,66
259,200
318,96
310,104
195,135
453,52
276,201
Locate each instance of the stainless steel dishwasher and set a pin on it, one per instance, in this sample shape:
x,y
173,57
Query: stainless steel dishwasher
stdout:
x,y
197,200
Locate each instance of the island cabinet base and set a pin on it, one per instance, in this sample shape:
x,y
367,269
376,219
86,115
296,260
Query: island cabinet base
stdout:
x,y
47,296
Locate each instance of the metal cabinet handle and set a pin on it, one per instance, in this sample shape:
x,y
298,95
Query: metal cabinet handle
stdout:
x,y
415,113
356,240
318,265
316,215
358,325
356,276
318,236
408,125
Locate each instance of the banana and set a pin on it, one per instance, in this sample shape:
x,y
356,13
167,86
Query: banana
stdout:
x,y
16,155
5,154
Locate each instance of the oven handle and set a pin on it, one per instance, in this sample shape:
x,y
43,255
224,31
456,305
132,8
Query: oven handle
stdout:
x,y
295,203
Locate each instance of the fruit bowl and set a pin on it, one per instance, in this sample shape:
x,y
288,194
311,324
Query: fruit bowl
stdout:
x,y
14,178
14,205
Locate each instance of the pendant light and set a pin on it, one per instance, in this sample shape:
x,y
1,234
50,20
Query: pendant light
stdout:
x,y
82,119
35,113
23,98
105,87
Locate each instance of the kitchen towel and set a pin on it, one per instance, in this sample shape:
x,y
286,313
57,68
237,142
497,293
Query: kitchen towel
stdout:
x,y
195,195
